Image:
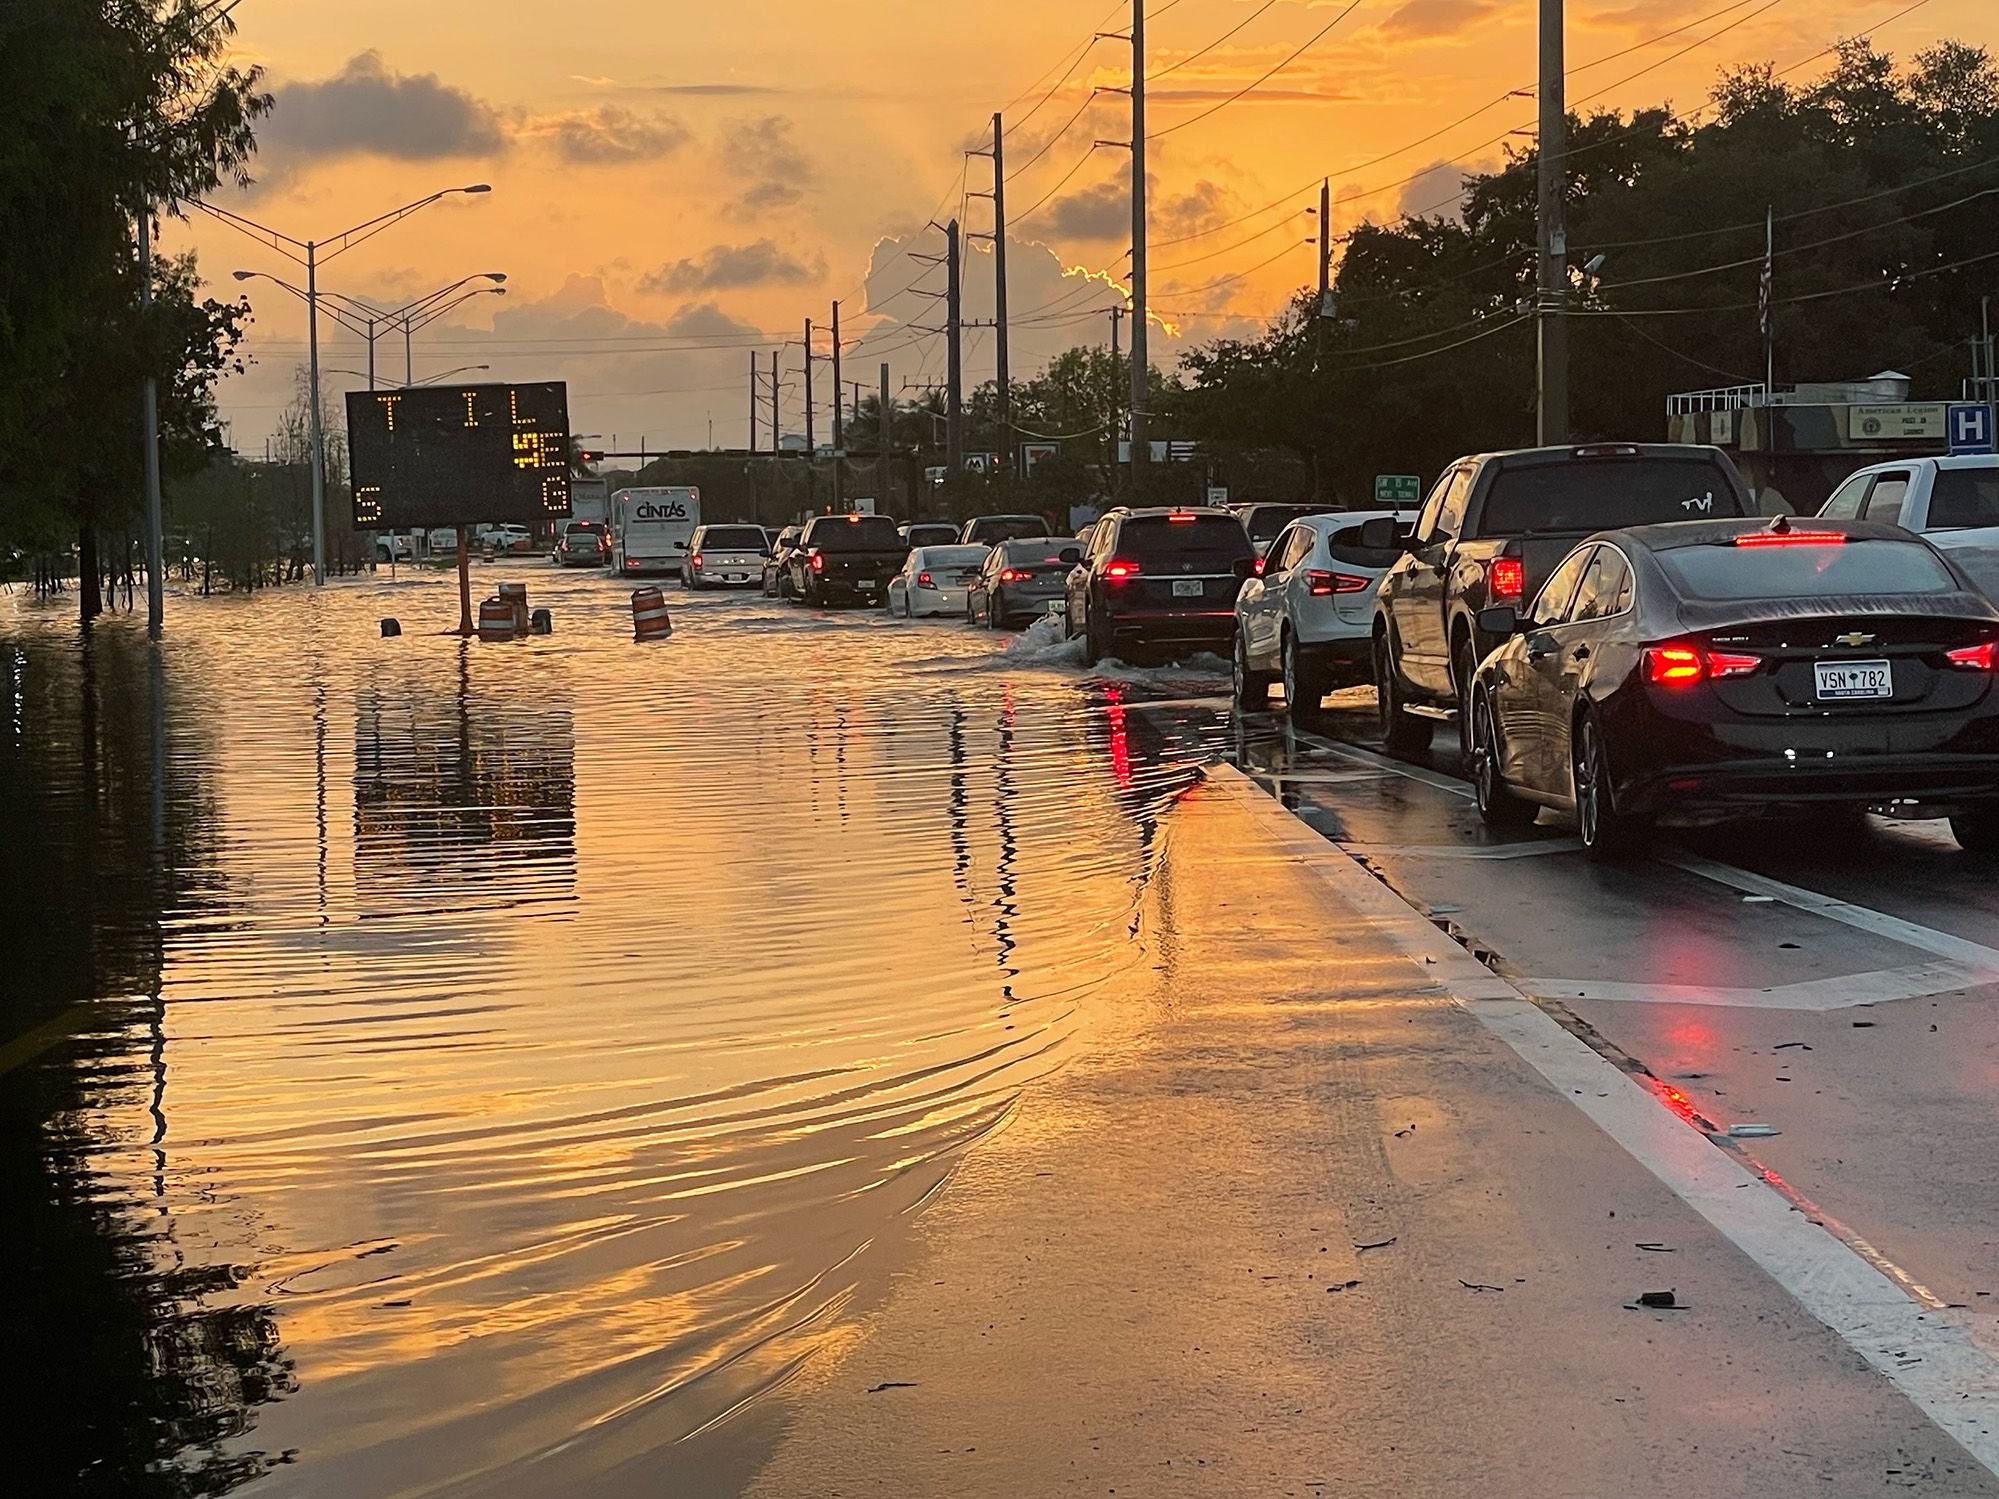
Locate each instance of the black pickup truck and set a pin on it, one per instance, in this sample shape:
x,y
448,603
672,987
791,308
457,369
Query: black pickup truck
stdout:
x,y
1491,532
847,557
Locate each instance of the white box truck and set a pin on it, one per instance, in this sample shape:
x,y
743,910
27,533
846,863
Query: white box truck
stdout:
x,y
590,500
651,529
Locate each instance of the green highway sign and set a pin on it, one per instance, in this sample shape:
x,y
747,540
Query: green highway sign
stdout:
x,y
1398,489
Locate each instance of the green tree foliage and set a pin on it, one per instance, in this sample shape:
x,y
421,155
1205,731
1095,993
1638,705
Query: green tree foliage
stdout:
x,y
1885,184
106,107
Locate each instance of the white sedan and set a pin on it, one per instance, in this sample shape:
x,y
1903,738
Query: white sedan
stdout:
x,y
1307,616
934,580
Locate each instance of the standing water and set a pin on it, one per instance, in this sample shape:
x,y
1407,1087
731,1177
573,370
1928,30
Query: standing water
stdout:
x,y
438,1068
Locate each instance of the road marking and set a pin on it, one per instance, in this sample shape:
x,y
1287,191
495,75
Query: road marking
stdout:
x,y
1921,1350
1877,923
1841,992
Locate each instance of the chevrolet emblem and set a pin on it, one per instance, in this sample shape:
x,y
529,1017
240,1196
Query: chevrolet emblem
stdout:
x,y
1853,640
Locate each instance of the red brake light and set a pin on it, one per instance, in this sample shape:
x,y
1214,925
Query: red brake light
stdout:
x,y
1321,585
1978,657
854,519
696,559
1790,539
923,581
1013,575
1259,567
818,563
1177,516
1684,665
1506,578
1117,570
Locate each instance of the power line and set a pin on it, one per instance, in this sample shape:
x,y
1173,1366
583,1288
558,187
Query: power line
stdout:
x,y
1218,41
1305,47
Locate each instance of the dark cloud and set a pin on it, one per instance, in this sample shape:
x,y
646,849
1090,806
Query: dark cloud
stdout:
x,y
731,267
1435,192
611,134
1203,206
761,150
1437,17
706,320
367,109
1101,212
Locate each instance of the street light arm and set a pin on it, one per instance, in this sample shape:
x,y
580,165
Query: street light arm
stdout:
x,y
347,239
432,314
340,315
262,233
411,309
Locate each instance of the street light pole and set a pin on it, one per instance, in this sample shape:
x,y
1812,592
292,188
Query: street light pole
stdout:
x,y
149,412
318,426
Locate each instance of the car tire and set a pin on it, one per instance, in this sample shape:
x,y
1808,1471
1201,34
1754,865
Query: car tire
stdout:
x,y
1497,804
1608,833
1304,679
1977,833
995,611
1251,688
1094,647
1464,686
1401,731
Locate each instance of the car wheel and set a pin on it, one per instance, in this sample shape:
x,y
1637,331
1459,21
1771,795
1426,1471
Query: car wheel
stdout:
x,y
1607,832
1304,687
1402,731
995,611
1464,686
1252,688
1977,832
1094,646
1497,804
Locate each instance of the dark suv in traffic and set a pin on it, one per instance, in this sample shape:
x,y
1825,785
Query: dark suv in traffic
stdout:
x,y
1159,580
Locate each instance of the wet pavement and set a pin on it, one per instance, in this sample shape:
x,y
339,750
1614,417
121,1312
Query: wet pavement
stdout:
x,y
442,1068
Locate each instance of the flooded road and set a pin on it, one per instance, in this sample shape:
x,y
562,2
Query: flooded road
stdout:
x,y
442,1068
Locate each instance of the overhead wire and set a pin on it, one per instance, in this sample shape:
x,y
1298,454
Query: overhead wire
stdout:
x,y
1304,47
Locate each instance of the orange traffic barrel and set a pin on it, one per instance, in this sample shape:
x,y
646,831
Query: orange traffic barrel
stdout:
x,y
516,594
496,620
649,617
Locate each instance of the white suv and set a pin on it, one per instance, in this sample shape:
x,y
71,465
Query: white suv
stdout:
x,y
1307,616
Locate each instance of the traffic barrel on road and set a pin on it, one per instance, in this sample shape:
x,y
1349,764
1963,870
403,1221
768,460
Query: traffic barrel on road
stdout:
x,y
496,620
649,616
391,627
541,622
516,594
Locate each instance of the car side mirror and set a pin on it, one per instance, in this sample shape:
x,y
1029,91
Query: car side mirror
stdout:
x,y
1379,534
1246,567
1502,619
1070,556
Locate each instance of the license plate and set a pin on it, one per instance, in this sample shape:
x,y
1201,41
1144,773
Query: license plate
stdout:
x,y
1842,680
1055,607
1186,588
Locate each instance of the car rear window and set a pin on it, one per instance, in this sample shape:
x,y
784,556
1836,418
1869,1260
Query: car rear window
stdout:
x,y
1214,539
953,556
1606,493
747,538
1263,522
927,536
1965,497
860,533
1003,527
1344,545
1806,570
1039,549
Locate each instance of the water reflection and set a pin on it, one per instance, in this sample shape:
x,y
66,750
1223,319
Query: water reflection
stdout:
x,y
525,1083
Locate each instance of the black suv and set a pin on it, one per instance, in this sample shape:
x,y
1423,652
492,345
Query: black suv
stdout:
x,y
1159,579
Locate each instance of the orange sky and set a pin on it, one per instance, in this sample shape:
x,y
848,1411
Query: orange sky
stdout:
x,y
676,185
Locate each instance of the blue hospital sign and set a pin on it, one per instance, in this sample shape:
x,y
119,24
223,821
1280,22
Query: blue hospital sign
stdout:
x,y
1969,428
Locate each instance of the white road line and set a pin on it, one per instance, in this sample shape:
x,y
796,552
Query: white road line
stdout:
x,y
1925,1353
1878,923
1841,992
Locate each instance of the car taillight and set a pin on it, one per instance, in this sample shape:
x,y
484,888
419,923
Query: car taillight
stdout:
x,y
1506,578
1117,571
1790,539
1258,569
923,581
1013,575
818,563
631,564
1321,585
1684,665
1978,657
695,559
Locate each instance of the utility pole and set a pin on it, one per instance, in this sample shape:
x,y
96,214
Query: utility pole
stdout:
x,y
1117,424
1551,305
753,402
776,435
1325,245
811,435
954,339
149,421
881,462
1140,368
839,426
1007,444
318,428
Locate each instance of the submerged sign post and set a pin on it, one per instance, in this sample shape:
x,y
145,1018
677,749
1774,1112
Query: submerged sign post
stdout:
x,y
449,455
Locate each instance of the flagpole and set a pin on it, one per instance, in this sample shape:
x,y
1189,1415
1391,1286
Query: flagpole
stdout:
x,y
1769,312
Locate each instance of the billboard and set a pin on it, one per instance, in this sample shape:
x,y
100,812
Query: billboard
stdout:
x,y
449,455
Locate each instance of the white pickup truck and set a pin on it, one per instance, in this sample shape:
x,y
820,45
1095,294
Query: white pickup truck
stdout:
x,y
1952,502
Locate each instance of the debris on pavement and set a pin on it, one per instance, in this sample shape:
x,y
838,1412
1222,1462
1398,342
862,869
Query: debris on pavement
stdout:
x,y
1792,1046
1345,1285
1752,1131
1656,1248
1474,1286
1659,1301
893,1384
1363,1248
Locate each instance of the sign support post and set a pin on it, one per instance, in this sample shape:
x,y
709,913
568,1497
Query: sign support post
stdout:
x,y
464,580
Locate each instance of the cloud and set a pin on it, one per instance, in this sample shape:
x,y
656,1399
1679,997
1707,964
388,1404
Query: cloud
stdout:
x,y
706,320
731,267
612,134
715,90
761,150
366,109
1435,192
1099,212
1259,96
1202,206
1423,18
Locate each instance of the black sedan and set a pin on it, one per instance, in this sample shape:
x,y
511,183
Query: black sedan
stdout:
x,y
1699,671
